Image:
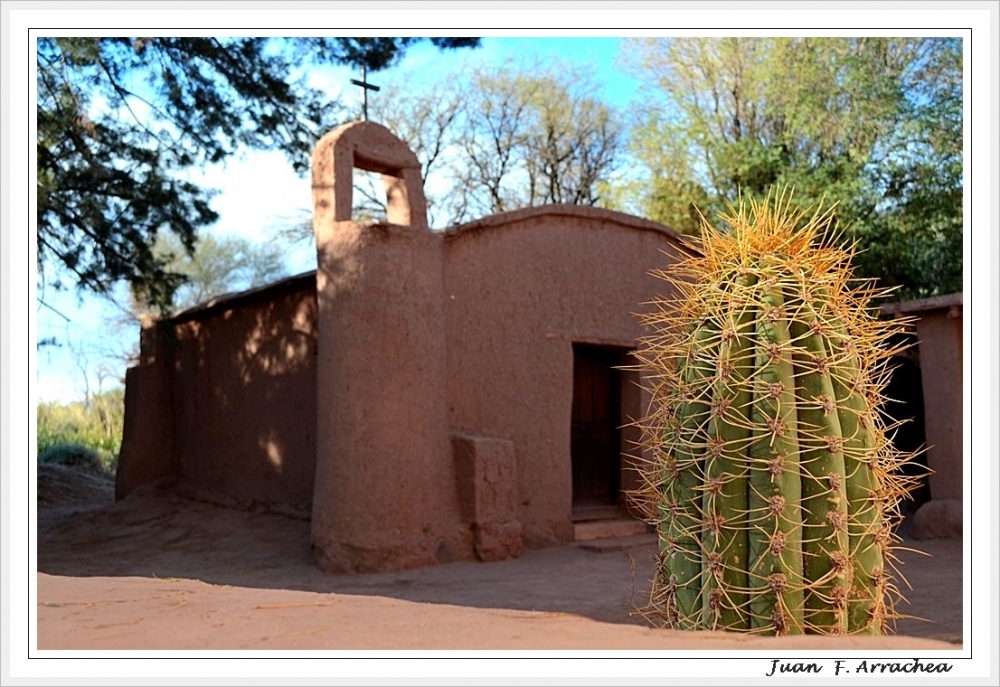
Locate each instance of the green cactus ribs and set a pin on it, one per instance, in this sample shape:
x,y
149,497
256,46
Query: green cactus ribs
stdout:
x,y
772,483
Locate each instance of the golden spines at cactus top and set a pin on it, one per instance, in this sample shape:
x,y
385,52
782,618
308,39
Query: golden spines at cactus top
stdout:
x,y
773,485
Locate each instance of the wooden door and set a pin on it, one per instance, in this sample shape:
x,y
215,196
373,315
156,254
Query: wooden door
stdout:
x,y
595,439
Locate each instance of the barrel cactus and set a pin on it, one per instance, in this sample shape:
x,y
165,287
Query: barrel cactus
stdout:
x,y
773,483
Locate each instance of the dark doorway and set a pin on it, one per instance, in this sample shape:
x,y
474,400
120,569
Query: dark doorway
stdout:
x,y
905,403
595,445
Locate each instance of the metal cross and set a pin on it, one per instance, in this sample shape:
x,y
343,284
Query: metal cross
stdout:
x,y
365,86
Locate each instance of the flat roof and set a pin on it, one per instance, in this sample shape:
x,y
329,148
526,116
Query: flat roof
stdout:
x,y
943,302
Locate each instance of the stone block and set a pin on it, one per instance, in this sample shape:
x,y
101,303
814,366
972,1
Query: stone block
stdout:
x,y
486,470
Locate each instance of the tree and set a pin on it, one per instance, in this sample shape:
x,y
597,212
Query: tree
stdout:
x,y
217,266
873,124
498,139
532,137
120,119
910,222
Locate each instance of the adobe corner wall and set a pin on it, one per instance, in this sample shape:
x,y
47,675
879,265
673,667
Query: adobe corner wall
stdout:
x,y
147,452
939,331
223,401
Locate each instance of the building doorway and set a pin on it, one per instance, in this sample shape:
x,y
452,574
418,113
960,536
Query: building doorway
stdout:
x,y
905,404
596,438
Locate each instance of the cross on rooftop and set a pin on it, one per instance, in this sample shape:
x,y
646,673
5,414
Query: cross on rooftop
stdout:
x,y
365,87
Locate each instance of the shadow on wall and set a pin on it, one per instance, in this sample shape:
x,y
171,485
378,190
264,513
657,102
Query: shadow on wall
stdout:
x,y
239,382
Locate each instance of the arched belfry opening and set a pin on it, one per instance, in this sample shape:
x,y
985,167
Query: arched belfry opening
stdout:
x,y
373,148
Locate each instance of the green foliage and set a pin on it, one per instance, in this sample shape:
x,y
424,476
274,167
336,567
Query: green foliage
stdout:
x,y
909,223
77,456
120,119
95,424
216,267
873,124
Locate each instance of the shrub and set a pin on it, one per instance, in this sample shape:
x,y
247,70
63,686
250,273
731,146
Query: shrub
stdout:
x,y
78,456
94,425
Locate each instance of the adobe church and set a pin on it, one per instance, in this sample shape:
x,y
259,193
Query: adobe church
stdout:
x,y
424,396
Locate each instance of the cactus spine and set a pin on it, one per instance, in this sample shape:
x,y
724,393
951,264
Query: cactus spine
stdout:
x,y
772,483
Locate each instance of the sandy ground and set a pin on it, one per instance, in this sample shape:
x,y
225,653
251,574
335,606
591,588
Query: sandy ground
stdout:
x,y
157,571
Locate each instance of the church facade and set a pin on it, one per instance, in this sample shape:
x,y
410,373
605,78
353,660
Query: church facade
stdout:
x,y
424,396
430,396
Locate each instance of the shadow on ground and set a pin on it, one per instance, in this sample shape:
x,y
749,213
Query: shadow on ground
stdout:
x,y
157,533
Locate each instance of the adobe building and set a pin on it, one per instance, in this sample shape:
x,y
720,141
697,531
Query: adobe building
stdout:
x,y
939,413
429,396
424,396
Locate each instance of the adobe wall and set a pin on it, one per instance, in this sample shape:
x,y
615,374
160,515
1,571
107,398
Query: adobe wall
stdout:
x,y
939,331
385,494
445,362
413,396
519,290
236,381
446,368
147,454
940,335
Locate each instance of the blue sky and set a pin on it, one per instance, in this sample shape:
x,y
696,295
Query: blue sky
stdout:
x,y
261,191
